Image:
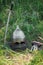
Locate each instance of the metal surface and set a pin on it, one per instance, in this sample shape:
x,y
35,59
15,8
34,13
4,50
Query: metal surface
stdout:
x,y
18,35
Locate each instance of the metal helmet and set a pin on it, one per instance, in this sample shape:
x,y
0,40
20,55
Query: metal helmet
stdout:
x,y
18,35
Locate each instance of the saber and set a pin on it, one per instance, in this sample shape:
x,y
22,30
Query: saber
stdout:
x,y
8,20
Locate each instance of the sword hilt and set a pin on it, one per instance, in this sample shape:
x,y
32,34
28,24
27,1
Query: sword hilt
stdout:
x,y
12,3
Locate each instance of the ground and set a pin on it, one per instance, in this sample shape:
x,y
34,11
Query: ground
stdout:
x,y
15,58
21,57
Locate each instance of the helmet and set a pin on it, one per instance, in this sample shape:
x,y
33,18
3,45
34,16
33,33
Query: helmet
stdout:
x,y
18,35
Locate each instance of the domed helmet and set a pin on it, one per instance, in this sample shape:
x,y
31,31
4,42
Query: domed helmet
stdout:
x,y
18,35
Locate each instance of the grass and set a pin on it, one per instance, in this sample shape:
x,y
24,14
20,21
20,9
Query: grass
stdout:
x,y
21,57
15,58
38,58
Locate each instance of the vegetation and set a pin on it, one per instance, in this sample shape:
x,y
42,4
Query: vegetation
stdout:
x,y
38,58
21,57
28,14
